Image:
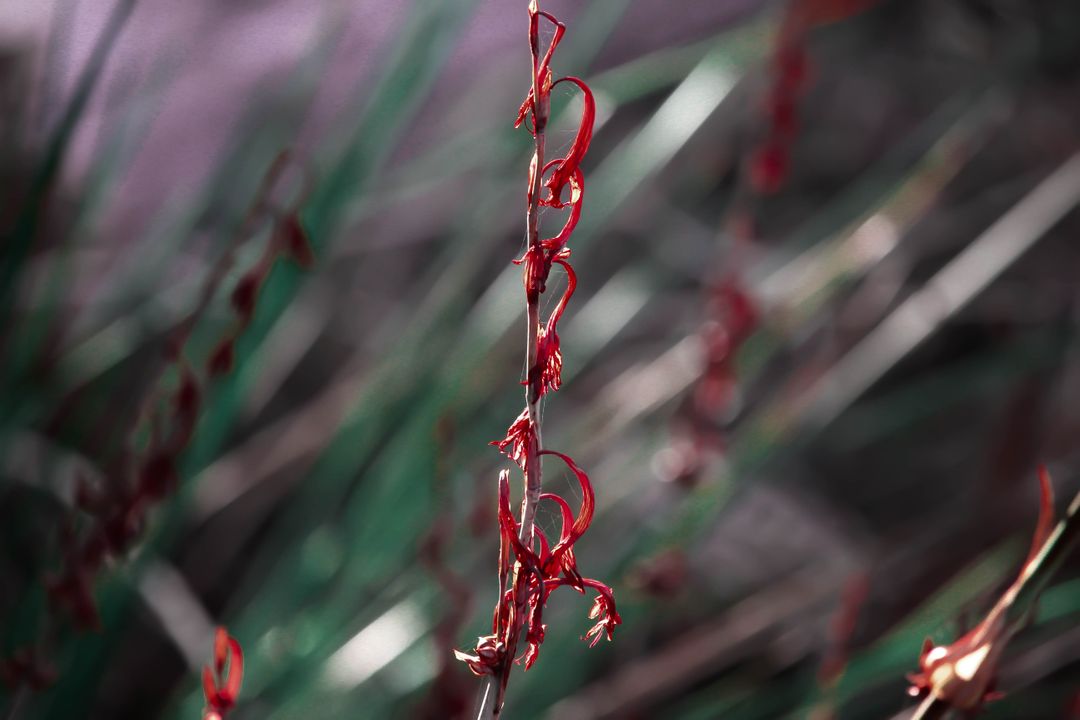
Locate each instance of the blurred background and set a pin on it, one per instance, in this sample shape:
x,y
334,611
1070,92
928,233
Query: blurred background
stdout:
x,y
826,328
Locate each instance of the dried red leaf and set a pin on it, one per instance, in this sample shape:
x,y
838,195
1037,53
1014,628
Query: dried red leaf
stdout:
x,y
186,400
508,526
295,242
561,557
783,114
536,266
604,612
520,436
221,686
222,358
538,575
246,293
737,308
541,67
556,244
530,568
567,167
209,687
236,670
792,67
769,168
546,374
158,476
488,658
221,649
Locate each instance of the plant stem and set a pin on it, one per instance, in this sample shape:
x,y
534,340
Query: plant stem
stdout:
x,y
532,400
486,704
493,690
930,709
1038,573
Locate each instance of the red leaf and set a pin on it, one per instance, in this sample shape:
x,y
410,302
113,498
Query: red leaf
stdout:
x,y
520,436
246,292
295,242
236,670
561,554
509,526
209,688
221,359
568,166
221,647
546,374
1046,515
541,67
187,396
769,168
577,194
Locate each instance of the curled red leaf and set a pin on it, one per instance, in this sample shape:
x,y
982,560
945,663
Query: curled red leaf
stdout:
x,y
577,193
546,374
520,436
221,686
562,554
567,167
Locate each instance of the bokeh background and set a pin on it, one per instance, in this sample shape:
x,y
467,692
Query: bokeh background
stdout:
x,y
861,473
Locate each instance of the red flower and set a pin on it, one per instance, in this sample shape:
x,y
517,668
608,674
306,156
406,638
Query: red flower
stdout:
x,y
603,611
539,575
530,565
547,372
220,687
520,436
962,674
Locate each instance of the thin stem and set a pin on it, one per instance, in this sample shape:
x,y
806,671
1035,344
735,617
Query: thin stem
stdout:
x,y
1038,573
532,320
930,709
486,705
494,689
17,701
